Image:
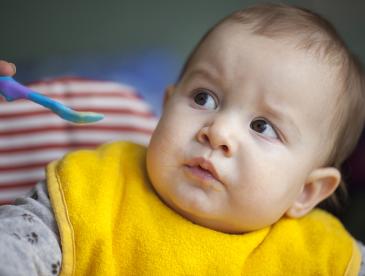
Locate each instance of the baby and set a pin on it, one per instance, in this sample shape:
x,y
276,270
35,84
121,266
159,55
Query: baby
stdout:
x,y
266,109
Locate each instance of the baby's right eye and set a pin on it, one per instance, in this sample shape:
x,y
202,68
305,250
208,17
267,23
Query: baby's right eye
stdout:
x,y
205,100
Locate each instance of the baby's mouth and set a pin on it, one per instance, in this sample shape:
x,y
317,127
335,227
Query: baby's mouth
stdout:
x,y
202,169
198,170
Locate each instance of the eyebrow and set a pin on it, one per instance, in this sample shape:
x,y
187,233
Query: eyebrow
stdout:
x,y
201,71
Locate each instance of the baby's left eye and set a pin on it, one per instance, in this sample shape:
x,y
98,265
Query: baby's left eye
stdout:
x,y
264,127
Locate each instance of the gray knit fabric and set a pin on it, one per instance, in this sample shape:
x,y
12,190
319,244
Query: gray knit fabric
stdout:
x,y
29,242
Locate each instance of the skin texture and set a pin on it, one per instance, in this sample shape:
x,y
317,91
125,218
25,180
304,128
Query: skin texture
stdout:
x,y
242,138
6,69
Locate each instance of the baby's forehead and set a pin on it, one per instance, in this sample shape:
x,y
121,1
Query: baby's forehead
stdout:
x,y
320,40
237,38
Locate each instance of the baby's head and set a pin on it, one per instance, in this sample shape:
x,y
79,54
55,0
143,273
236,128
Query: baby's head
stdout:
x,y
266,109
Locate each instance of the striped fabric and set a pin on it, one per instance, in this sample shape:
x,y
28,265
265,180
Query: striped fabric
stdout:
x,y
32,136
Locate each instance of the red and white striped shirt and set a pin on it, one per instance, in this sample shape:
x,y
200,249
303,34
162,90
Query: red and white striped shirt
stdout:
x,y
32,136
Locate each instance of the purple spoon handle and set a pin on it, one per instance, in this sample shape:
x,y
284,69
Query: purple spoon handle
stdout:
x,y
12,90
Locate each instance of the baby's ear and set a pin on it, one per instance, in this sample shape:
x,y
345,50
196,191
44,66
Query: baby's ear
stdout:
x,y
168,92
320,184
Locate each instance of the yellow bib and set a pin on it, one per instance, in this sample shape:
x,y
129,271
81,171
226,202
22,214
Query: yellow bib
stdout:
x,y
112,223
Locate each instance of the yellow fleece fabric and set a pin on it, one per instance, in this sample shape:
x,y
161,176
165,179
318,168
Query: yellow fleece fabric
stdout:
x,y
112,222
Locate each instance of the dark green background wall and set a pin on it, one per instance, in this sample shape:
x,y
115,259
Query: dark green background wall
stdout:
x,y
40,29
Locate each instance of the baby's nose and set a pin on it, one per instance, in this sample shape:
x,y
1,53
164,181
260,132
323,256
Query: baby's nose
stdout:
x,y
217,138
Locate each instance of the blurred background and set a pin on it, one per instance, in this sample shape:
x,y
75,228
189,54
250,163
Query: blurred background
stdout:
x,y
144,43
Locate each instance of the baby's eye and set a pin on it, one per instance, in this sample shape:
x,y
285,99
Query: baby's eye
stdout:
x,y
205,100
264,127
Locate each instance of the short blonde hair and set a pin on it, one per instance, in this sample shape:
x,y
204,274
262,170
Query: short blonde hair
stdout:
x,y
310,31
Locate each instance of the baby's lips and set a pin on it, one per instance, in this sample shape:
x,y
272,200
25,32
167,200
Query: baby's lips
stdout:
x,y
204,164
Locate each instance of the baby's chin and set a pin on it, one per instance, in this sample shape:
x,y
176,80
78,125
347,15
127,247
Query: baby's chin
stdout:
x,y
206,220
218,225
228,227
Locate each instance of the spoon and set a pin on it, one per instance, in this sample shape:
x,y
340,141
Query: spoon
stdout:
x,y
12,90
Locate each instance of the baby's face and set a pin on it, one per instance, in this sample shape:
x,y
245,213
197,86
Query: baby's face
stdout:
x,y
242,131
